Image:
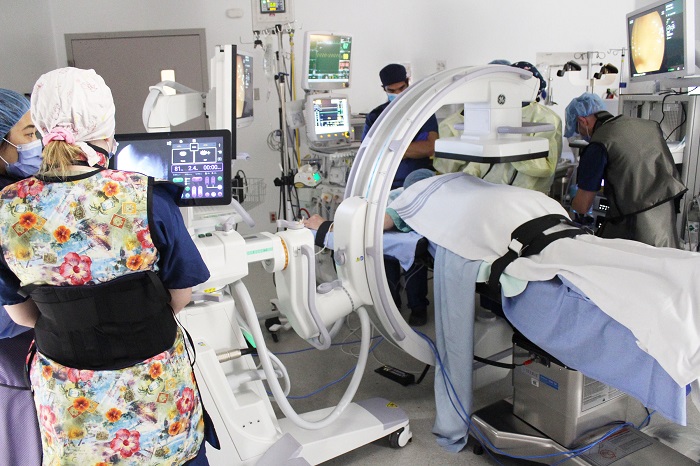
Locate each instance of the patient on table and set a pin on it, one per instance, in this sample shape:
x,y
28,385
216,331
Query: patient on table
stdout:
x,y
579,291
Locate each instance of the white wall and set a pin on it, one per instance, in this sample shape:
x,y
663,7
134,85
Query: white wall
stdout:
x,y
460,32
26,44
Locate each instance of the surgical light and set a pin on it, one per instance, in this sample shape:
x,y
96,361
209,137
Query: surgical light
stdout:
x,y
605,69
569,66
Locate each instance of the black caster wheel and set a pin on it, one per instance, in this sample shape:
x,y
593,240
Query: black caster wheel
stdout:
x,y
400,438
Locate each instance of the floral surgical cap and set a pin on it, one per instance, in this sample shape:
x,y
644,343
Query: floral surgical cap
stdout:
x,y
76,106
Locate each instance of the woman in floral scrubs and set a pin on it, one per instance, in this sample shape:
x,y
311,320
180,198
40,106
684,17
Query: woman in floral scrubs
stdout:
x,y
79,226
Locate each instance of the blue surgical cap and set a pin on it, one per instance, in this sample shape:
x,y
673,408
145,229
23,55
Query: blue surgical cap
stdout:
x,y
582,106
499,62
392,74
13,106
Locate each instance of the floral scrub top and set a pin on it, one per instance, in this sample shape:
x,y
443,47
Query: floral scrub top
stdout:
x,y
90,229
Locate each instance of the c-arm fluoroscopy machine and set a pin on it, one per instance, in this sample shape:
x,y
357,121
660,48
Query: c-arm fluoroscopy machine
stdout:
x,y
231,385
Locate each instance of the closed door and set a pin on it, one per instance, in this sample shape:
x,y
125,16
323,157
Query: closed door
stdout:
x,y
130,62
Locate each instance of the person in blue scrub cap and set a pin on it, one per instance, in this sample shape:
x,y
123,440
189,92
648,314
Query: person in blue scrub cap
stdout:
x,y
19,429
641,180
20,149
585,106
394,81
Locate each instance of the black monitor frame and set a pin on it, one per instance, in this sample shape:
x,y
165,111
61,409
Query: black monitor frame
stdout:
x,y
223,135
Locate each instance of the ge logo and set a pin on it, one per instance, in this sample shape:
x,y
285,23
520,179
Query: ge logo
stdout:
x,y
501,99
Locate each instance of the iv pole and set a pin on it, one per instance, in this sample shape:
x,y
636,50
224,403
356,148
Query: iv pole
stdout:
x,y
286,181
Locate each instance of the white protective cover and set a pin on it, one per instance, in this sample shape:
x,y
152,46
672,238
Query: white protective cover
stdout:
x,y
651,291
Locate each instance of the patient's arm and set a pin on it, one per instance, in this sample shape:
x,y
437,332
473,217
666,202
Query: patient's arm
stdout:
x,y
314,222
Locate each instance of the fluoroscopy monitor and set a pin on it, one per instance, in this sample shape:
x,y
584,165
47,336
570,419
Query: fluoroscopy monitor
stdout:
x,y
327,61
199,161
327,118
244,91
661,40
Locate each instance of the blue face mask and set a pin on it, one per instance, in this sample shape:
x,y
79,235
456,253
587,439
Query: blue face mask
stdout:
x,y
28,161
391,96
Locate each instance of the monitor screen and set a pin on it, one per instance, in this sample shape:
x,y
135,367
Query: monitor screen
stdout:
x,y
200,161
328,117
327,61
661,40
244,89
272,6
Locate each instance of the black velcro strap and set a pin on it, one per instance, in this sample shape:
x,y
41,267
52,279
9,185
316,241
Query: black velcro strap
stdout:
x,y
104,326
529,239
321,233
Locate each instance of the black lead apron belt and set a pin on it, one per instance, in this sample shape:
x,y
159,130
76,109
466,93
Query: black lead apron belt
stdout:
x,y
107,326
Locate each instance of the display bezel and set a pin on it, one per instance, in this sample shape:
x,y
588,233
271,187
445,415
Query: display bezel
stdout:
x,y
222,136
688,41
328,84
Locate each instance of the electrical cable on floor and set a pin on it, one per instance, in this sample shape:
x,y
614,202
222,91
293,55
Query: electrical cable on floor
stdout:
x,y
330,384
303,350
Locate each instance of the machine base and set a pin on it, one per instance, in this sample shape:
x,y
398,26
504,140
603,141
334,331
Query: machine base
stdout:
x,y
361,423
629,447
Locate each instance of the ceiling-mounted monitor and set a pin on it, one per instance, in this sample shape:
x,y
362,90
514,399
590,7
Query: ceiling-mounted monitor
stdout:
x,y
661,40
327,61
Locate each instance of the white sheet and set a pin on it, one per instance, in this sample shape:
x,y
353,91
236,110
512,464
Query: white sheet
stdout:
x,y
654,292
